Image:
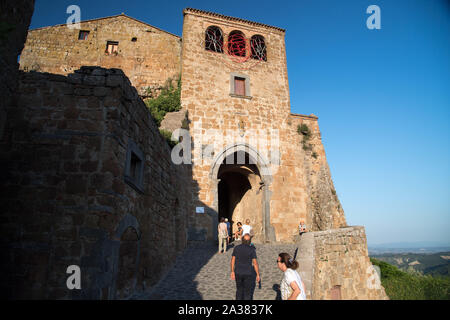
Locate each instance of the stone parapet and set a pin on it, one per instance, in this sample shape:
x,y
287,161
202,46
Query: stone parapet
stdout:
x,y
334,264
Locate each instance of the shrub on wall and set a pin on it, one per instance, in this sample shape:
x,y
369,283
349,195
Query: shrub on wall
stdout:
x,y
169,100
304,130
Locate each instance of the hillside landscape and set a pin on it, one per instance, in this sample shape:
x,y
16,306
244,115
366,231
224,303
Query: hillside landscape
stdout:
x,y
414,276
434,264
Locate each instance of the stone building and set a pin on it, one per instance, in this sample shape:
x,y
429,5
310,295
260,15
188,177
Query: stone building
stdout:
x,y
89,181
148,55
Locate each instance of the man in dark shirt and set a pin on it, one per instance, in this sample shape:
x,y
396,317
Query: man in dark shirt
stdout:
x,y
244,267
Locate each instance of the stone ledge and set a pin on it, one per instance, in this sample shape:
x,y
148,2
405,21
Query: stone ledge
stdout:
x,y
303,116
340,231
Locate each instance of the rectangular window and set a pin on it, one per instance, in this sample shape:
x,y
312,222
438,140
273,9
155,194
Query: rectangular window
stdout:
x,y
239,86
83,35
134,167
112,47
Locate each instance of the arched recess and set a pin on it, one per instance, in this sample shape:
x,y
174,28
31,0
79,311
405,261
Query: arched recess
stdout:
x,y
258,47
237,44
214,39
126,258
261,168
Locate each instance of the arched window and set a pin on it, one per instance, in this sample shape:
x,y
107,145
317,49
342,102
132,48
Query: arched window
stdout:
x,y
214,39
237,44
258,46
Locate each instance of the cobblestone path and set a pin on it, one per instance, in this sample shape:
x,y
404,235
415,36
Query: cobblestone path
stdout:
x,y
200,273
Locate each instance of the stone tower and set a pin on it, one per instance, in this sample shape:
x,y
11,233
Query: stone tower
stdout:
x,y
250,159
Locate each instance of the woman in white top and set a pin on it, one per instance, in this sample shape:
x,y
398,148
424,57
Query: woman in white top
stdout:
x,y
292,287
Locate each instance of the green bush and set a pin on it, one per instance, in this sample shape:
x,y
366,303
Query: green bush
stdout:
x,y
304,130
169,100
168,136
400,285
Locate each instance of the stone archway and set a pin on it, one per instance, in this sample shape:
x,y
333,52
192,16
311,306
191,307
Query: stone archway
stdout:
x,y
240,179
126,260
127,264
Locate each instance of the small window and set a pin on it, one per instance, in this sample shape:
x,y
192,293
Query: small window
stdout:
x,y
134,167
83,35
239,86
135,163
112,47
133,39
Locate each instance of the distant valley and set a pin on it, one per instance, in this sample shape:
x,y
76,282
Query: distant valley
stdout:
x,y
434,264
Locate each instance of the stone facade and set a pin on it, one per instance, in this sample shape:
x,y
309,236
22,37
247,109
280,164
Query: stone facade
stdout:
x,y
70,195
148,56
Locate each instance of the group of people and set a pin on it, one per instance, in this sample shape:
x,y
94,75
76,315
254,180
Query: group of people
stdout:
x,y
245,268
224,232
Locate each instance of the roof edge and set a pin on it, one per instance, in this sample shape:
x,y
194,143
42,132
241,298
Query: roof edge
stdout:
x,y
109,17
192,10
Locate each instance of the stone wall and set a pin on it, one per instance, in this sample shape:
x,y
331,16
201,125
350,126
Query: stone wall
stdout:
x,y
15,17
335,265
147,55
74,152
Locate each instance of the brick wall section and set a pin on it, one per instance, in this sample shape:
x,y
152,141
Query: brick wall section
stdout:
x,y
148,62
341,259
63,195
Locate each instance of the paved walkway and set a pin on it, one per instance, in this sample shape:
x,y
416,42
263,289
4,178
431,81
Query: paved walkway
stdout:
x,y
200,273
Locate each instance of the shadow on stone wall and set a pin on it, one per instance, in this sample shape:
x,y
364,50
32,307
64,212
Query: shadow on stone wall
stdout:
x,y
88,180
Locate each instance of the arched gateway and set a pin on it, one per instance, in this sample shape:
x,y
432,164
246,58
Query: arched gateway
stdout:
x,y
240,178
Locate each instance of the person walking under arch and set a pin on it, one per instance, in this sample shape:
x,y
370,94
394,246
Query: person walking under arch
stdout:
x,y
222,233
228,230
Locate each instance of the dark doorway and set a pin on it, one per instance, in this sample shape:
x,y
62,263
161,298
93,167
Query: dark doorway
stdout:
x,y
239,193
127,267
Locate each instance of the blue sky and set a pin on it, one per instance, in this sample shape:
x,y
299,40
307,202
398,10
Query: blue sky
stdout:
x,y
382,97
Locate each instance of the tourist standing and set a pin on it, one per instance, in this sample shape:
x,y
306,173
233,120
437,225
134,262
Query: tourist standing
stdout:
x,y
292,286
222,233
244,268
302,227
228,230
